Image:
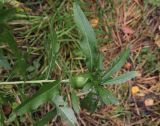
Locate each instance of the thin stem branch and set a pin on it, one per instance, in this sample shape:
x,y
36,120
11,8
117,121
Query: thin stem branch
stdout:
x,y
32,82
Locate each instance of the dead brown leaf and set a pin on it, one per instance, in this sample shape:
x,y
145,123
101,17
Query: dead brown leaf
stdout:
x,y
127,30
149,102
135,90
94,22
157,40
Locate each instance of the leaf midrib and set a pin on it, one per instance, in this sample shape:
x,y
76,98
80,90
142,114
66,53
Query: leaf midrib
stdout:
x,y
112,69
85,33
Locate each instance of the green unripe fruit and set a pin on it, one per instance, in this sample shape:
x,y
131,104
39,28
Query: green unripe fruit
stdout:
x,y
79,81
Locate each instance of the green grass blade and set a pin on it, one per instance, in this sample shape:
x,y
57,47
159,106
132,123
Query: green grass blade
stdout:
x,y
49,116
52,50
122,78
89,42
116,65
1,118
46,93
66,113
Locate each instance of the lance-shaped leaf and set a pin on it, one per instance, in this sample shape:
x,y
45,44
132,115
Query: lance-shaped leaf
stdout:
x,y
64,111
116,65
7,37
89,42
46,93
75,102
52,49
106,96
122,78
49,116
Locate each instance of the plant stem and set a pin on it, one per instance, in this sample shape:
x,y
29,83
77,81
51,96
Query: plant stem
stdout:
x,y
31,82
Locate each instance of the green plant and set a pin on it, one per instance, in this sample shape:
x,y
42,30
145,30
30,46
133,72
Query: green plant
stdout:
x,y
6,36
148,59
153,2
92,82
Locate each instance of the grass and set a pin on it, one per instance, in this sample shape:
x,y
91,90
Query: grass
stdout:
x,y
121,23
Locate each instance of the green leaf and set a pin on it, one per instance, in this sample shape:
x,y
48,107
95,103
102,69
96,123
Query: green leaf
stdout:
x,y
64,111
46,93
116,65
89,42
2,1
3,61
52,49
6,14
7,37
100,62
122,78
49,116
75,102
90,102
1,118
106,95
